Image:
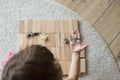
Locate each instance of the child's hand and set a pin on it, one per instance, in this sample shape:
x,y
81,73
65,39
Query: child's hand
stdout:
x,y
75,42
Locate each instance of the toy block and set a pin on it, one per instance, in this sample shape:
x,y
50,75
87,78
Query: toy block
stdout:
x,y
71,27
63,53
68,53
39,40
51,40
23,26
68,66
62,26
75,24
50,26
30,42
64,67
43,23
37,26
82,65
22,40
82,54
57,40
58,51
34,40
62,37
53,50
30,25
57,26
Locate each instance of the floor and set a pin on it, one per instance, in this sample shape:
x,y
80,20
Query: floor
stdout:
x,y
100,62
104,15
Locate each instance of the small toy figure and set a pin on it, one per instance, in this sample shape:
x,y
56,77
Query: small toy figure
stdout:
x,y
30,34
66,41
36,34
45,37
74,38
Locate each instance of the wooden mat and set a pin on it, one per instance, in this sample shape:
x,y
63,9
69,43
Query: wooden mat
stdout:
x,y
57,31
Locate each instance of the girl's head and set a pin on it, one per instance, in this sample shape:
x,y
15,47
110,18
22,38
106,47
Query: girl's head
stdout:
x,y
33,63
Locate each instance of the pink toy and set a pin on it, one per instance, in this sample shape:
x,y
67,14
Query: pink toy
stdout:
x,y
9,55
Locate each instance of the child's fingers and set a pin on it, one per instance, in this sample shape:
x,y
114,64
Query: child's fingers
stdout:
x,y
78,34
84,46
73,32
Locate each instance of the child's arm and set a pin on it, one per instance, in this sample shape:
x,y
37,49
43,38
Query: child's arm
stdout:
x,y
76,49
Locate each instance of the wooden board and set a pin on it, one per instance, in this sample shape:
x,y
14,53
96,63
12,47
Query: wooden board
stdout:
x,y
57,31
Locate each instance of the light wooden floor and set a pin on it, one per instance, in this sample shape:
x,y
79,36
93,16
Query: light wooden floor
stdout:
x,y
104,15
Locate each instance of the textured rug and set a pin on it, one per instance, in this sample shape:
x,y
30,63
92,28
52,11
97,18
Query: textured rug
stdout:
x,y
101,64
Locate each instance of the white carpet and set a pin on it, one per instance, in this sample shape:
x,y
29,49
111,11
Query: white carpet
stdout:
x,y
101,65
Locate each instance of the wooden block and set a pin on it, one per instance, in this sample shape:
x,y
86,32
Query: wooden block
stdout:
x,y
83,65
53,50
75,24
68,66
70,25
37,26
68,53
63,53
62,37
39,41
47,27
22,40
57,40
51,40
62,26
64,67
66,29
34,40
30,25
58,51
43,22
57,26
50,26
82,54
24,26
30,41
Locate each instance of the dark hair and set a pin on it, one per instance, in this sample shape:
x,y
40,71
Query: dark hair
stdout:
x,y
33,63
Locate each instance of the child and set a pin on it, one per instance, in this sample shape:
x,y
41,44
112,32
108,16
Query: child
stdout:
x,y
38,63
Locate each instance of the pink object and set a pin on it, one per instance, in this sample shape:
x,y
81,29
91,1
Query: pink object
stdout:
x,y
9,55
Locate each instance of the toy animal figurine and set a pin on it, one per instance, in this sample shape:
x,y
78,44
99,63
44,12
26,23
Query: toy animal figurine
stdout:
x,y
74,38
30,34
45,37
66,41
